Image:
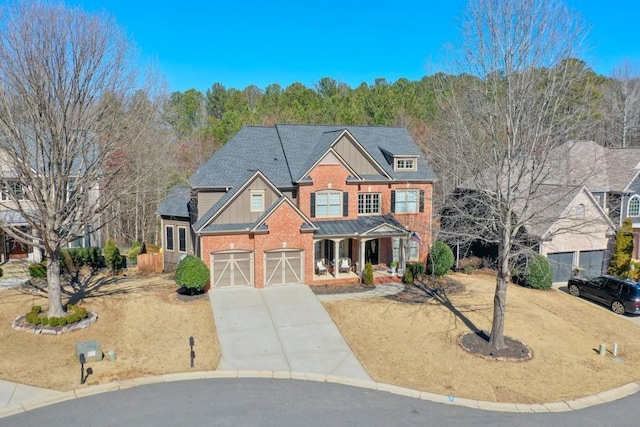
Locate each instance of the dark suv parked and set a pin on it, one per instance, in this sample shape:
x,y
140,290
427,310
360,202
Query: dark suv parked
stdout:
x,y
621,295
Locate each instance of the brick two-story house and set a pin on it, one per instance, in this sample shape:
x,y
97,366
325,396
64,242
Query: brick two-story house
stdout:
x,y
302,204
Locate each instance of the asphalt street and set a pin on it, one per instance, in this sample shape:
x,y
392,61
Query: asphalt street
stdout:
x,y
268,402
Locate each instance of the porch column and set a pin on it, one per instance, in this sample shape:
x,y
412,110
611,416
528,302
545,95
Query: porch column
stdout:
x,y
402,263
361,257
336,257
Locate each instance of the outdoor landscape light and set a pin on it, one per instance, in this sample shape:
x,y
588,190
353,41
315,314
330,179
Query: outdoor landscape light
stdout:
x,y
193,353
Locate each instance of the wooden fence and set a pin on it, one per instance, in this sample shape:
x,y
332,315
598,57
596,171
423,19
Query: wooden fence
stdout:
x,y
150,263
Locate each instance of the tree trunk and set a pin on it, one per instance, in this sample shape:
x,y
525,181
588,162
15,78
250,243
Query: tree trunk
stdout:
x,y
496,339
53,281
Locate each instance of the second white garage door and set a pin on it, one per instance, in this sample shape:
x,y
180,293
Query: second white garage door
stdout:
x,y
285,267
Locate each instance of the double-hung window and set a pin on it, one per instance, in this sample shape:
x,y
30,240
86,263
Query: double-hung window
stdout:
x,y
169,234
182,239
12,190
412,250
368,203
328,203
406,201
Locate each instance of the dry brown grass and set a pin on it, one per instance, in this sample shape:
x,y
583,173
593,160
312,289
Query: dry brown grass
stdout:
x,y
139,318
416,345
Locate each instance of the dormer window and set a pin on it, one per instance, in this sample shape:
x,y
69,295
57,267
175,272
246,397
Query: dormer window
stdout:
x,y
405,163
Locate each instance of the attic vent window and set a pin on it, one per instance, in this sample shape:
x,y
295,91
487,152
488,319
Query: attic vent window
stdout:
x,y
405,164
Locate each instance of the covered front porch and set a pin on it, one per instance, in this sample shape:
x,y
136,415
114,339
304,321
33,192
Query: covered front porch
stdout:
x,y
343,247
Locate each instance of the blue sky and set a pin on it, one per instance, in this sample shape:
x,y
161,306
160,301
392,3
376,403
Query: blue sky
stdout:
x,y
198,43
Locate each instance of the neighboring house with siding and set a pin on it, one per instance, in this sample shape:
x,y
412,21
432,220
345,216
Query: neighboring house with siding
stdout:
x,y
592,190
302,204
14,200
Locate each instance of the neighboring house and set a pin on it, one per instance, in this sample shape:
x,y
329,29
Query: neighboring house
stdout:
x,y
12,196
302,204
594,189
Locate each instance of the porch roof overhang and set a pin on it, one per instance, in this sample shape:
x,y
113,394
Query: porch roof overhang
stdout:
x,y
373,226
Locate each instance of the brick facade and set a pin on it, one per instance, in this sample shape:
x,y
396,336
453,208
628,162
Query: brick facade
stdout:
x,y
284,233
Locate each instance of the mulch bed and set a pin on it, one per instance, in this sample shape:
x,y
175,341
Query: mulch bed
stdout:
x,y
477,343
341,289
426,290
184,295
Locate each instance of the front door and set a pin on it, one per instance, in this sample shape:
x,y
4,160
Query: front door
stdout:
x,y
371,251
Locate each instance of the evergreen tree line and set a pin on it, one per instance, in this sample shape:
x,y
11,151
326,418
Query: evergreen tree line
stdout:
x,y
203,122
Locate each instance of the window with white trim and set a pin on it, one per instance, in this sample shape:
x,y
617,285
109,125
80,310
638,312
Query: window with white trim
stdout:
x,y
257,200
580,211
169,237
368,203
12,190
407,201
182,239
405,163
328,203
634,206
413,250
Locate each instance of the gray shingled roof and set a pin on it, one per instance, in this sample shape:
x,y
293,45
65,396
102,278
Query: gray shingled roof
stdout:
x,y
252,148
176,203
284,152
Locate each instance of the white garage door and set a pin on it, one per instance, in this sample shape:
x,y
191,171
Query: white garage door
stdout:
x,y
283,267
231,269
561,264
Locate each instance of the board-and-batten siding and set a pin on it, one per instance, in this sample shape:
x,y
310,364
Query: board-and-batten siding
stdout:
x,y
355,158
206,199
171,258
239,211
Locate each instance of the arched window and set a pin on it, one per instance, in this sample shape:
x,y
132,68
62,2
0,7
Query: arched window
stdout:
x,y
634,206
580,211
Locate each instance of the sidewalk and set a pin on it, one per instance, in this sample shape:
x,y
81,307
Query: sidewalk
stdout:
x,y
280,329
12,394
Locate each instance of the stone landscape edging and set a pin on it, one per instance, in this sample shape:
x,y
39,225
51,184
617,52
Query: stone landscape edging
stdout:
x,y
563,406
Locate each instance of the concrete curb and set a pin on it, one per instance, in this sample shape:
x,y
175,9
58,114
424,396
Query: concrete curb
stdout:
x,y
570,405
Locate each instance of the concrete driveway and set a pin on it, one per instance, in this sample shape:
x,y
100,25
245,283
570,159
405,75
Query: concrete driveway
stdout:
x,y
281,329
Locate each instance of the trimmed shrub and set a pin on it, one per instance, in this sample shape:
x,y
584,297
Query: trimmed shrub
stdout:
x,y
38,270
538,273
417,269
54,321
192,273
440,259
408,275
468,269
132,254
1,272
621,258
367,276
44,321
36,309
112,256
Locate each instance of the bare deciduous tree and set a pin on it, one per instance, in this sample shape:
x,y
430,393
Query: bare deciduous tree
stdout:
x,y
502,130
622,96
64,74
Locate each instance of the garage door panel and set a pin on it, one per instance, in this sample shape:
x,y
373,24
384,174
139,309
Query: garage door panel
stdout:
x,y
231,269
592,263
561,264
284,267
